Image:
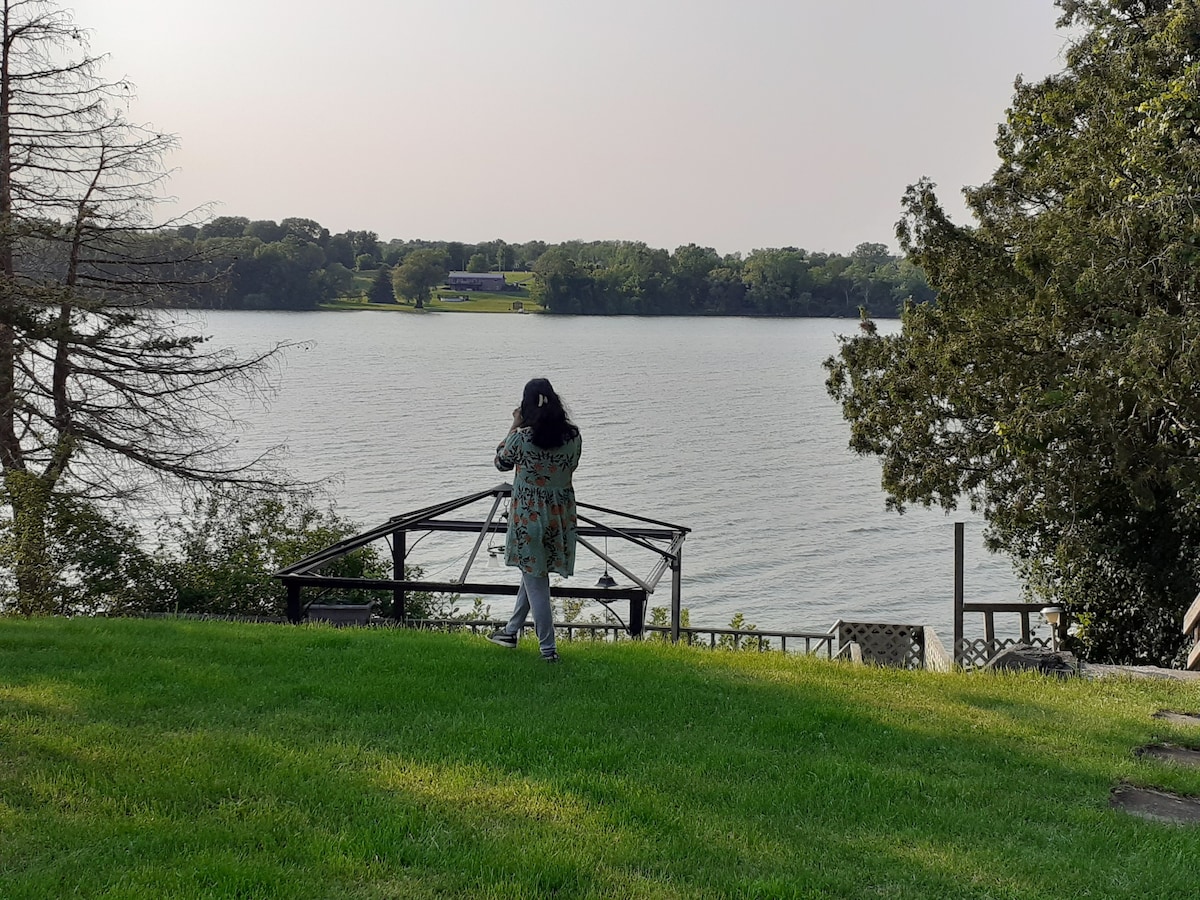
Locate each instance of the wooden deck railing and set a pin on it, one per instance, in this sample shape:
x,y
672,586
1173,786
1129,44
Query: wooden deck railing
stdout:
x,y
1191,627
971,652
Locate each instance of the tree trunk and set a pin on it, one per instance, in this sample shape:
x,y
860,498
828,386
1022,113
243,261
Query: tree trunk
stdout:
x,y
29,498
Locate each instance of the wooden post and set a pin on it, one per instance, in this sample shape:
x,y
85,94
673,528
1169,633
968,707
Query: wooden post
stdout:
x,y
399,541
676,593
1191,627
959,542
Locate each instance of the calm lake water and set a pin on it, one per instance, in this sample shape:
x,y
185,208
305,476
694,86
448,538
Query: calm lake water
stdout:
x,y
721,425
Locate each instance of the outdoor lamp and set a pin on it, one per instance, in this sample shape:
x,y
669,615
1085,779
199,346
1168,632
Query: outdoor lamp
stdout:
x,y
1053,616
606,580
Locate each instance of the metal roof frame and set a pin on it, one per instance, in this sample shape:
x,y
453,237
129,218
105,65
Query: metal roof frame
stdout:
x,y
662,538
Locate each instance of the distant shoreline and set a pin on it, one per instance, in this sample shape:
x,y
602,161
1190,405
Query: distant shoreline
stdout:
x,y
443,306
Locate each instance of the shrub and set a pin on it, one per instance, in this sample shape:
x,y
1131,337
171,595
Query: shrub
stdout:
x,y
219,554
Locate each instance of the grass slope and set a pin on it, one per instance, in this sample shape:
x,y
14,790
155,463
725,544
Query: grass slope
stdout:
x,y
196,759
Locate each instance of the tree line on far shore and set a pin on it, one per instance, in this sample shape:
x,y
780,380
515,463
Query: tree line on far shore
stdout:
x,y
298,264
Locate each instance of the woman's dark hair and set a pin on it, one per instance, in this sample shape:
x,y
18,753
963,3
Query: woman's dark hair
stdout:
x,y
542,410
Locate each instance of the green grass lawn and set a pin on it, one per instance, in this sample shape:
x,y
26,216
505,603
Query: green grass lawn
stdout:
x,y
189,759
362,281
483,301
476,301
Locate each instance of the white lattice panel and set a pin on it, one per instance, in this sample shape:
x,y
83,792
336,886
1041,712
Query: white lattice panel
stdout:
x,y
886,644
972,653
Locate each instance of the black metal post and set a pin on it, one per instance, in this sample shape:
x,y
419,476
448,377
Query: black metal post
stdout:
x,y
293,602
399,542
637,615
676,593
959,543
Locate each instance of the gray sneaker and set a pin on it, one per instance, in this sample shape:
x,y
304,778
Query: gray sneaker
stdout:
x,y
503,639
550,656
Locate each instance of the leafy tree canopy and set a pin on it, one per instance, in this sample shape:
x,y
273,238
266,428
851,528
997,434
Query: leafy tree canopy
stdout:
x,y
421,271
1054,383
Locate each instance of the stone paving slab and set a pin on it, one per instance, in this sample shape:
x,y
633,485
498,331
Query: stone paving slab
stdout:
x,y
1096,670
1155,806
1177,718
1181,756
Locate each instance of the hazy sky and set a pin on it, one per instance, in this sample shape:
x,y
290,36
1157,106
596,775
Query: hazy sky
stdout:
x,y
732,123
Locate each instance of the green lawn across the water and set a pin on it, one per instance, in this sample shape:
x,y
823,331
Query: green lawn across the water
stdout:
x,y
445,300
185,759
476,301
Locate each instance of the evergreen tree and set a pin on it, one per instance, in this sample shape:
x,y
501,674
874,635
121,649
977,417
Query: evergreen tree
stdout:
x,y
1056,381
381,287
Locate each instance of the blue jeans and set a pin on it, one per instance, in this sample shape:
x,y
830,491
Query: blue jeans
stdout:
x,y
534,595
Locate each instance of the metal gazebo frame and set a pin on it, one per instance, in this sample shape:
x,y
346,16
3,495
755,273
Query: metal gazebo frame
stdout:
x,y
662,538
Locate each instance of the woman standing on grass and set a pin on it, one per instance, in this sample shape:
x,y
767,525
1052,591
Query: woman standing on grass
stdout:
x,y
542,450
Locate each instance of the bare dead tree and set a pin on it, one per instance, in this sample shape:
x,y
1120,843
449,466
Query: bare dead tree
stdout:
x,y
99,393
